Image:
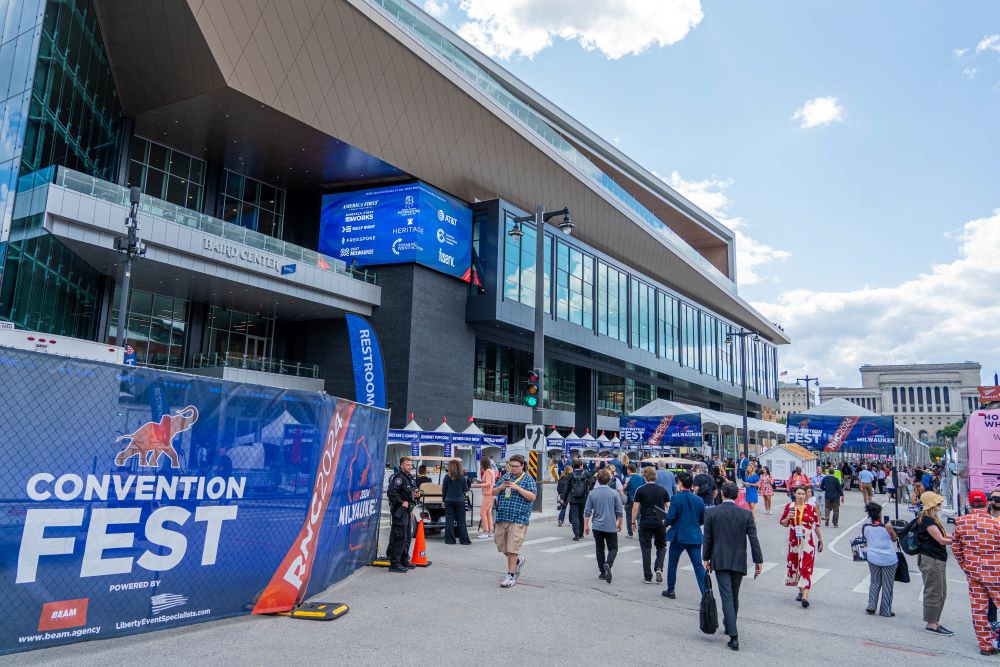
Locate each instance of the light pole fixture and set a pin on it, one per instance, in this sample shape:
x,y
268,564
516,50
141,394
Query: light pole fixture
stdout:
x,y
807,380
538,355
132,247
743,334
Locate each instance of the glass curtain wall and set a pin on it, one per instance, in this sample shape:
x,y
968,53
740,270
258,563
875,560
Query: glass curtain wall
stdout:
x,y
610,395
637,394
709,345
666,318
166,174
574,286
252,204
643,315
612,302
689,336
155,328
519,265
560,385
239,336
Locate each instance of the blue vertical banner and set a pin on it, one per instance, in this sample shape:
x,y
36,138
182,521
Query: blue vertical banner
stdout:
x,y
366,357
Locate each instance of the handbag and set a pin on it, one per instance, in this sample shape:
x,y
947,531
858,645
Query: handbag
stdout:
x,y
859,546
709,615
902,568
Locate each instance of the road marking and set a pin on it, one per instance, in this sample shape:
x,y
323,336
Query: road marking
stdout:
x,y
819,573
568,547
863,586
621,551
541,540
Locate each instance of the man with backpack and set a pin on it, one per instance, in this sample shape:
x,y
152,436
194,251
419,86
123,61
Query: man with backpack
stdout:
x,y
635,480
576,497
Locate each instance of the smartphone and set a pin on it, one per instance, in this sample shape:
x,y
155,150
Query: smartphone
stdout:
x,y
885,520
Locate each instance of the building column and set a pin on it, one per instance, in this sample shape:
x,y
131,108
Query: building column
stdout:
x,y
586,400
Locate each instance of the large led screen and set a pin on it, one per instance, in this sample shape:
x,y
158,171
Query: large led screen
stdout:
x,y
396,225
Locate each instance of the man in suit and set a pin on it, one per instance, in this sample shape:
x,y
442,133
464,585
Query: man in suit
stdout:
x,y
684,519
727,529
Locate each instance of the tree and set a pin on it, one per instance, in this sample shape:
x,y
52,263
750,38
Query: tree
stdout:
x,y
951,430
937,453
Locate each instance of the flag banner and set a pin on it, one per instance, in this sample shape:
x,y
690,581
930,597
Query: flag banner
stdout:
x,y
849,435
136,499
366,357
660,432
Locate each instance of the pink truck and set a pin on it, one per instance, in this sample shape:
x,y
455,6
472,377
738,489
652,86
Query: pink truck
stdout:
x,y
979,451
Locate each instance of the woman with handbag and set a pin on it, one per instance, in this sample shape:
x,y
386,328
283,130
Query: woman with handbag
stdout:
x,y
804,541
932,561
882,560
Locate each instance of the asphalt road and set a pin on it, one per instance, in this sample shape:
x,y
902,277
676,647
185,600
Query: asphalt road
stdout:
x,y
560,613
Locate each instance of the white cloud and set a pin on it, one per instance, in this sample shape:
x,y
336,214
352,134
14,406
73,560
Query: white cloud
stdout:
x,y
818,112
947,314
960,52
710,196
436,8
989,43
970,72
507,28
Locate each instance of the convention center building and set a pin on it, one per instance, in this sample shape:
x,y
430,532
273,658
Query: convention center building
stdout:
x,y
299,160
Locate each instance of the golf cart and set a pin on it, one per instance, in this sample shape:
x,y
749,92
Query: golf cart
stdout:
x,y
431,503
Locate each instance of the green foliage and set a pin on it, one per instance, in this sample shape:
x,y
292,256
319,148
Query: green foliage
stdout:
x,y
937,453
951,430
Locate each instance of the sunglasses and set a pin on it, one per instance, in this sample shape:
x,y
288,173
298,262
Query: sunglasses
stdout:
x,y
995,499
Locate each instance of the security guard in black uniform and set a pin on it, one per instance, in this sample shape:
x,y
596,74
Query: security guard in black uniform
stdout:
x,y
401,493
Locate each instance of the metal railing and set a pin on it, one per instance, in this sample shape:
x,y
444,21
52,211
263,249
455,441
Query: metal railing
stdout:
x,y
261,364
116,194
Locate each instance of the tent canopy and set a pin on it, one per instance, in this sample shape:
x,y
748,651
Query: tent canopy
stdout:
x,y
909,449
724,420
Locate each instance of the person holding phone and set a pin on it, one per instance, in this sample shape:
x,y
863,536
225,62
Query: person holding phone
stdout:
x,y
515,493
728,528
804,540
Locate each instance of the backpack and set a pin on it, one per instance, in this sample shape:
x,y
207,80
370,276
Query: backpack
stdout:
x,y
578,487
908,540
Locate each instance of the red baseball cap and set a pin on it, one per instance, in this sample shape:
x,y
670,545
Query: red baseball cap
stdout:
x,y
977,497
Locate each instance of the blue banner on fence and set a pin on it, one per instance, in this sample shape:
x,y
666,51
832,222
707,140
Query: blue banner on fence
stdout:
x,y
682,430
137,499
851,435
366,357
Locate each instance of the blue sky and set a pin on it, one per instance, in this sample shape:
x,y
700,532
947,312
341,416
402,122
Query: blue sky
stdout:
x,y
850,217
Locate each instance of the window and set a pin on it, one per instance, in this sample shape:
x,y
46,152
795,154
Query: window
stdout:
x,y
612,302
239,336
519,265
689,336
610,395
666,317
155,328
643,308
166,174
920,399
252,204
574,286
709,344
560,385
947,400
895,400
937,398
637,395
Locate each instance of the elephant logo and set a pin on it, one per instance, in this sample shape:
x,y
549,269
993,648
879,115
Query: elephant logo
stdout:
x,y
152,439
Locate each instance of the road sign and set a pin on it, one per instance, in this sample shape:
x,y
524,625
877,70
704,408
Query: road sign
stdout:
x,y
534,437
533,463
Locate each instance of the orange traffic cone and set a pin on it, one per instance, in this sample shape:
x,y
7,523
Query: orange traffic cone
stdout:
x,y
419,557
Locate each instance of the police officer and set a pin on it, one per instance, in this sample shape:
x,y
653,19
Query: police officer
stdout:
x,y
402,492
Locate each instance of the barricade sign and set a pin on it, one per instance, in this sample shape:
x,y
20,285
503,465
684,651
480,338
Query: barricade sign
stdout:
x,y
133,499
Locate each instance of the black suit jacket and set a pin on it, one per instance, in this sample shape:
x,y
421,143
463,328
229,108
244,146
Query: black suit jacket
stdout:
x,y
727,529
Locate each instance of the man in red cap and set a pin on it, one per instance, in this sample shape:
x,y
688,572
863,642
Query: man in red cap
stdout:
x,y
976,545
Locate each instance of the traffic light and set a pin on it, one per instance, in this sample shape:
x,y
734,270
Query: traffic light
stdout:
x,y
531,395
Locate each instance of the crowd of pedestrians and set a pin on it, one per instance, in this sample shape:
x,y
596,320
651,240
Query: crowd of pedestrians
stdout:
x,y
694,512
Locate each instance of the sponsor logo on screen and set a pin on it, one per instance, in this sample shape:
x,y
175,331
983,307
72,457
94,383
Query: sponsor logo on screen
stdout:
x,y
155,439
164,601
63,614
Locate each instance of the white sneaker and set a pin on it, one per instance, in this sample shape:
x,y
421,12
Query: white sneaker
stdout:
x,y
508,581
517,570
483,536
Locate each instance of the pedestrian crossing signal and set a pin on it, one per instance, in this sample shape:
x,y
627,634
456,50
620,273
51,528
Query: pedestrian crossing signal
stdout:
x,y
531,394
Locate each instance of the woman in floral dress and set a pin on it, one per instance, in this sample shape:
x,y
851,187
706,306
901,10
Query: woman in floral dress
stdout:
x,y
804,540
766,488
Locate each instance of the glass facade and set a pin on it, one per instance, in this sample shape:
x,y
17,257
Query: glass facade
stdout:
x,y
689,336
519,265
574,286
666,320
612,302
637,394
709,345
610,395
155,328
236,335
560,385
252,204
166,174
643,316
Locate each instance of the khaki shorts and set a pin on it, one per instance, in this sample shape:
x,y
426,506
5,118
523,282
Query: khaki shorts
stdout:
x,y
509,537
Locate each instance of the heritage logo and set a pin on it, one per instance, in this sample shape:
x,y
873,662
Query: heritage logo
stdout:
x,y
63,614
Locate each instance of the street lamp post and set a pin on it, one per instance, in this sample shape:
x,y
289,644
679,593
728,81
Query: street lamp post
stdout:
x,y
808,380
742,334
132,247
538,355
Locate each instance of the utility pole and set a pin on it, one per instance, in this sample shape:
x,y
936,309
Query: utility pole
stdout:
x,y
132,247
